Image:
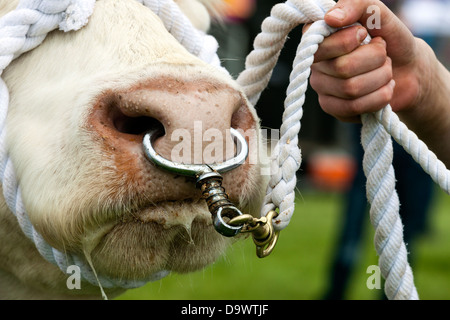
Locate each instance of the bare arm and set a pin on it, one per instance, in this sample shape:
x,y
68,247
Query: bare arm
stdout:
x,y
429,115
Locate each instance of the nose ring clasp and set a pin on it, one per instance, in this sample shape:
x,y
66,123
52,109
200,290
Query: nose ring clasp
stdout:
x,y
209,179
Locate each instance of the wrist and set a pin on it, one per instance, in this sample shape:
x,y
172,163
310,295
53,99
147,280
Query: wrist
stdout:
x,y
418,78
428,114
424,71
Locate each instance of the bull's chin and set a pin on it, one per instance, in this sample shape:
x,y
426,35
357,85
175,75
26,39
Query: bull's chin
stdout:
x,y
173,236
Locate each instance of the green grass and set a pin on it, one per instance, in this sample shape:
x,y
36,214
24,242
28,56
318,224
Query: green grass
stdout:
x,y
298,268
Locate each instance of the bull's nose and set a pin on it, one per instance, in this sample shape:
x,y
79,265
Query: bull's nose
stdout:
x,y
194,118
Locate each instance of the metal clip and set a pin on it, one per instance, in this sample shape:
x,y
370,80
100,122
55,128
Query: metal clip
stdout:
x,y
264,235
210,183
209,180
227,219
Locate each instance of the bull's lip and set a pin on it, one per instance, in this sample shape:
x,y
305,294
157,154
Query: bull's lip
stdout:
x,y
171,213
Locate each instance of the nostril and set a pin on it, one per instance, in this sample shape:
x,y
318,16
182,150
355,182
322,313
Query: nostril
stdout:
x,y
134,124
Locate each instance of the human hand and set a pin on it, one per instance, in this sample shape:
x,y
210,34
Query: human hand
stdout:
x,y
351,79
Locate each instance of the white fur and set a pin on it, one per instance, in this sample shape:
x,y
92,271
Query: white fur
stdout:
x,y
73,190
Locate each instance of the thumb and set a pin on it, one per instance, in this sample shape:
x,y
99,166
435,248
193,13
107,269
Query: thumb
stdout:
x,y
378,20
347,12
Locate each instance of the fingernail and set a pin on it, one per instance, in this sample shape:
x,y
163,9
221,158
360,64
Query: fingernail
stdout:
x,y
392,84
361,34
337,13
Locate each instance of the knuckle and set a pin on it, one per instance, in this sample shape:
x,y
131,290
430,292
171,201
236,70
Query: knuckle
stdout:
x,y
380,49
348,44
342,67
388,67
326,104
386,94
376,51
389,61
353,108
351,87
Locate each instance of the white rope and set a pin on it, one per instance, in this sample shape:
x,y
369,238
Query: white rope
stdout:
x,y
384,211
415,147
286,158
26,27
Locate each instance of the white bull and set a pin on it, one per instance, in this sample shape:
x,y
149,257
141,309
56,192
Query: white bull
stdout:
x,y
80,105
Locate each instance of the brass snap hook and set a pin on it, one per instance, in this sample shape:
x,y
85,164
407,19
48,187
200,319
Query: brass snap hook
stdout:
x,y
264,235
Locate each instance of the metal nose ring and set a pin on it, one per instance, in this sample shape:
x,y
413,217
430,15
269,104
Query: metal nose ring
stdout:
x,y
194,170
209,180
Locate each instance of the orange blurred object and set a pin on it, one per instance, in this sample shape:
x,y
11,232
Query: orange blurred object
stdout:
x,y
331,171
240,9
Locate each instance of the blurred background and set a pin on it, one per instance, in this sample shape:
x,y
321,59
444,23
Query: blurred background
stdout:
x,y
325,251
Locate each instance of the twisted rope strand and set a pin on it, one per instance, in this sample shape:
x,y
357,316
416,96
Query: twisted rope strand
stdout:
x,y
288,158
384,210
415,147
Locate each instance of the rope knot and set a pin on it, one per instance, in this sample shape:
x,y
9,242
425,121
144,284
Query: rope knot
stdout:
x,y
77,15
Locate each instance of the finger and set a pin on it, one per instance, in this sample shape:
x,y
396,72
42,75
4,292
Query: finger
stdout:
x,y
354,87
351,109
356,62
346,12
340,43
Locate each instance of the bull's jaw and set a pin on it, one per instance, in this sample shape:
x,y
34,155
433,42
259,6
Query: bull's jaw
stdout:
x,y
173,236
195,241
